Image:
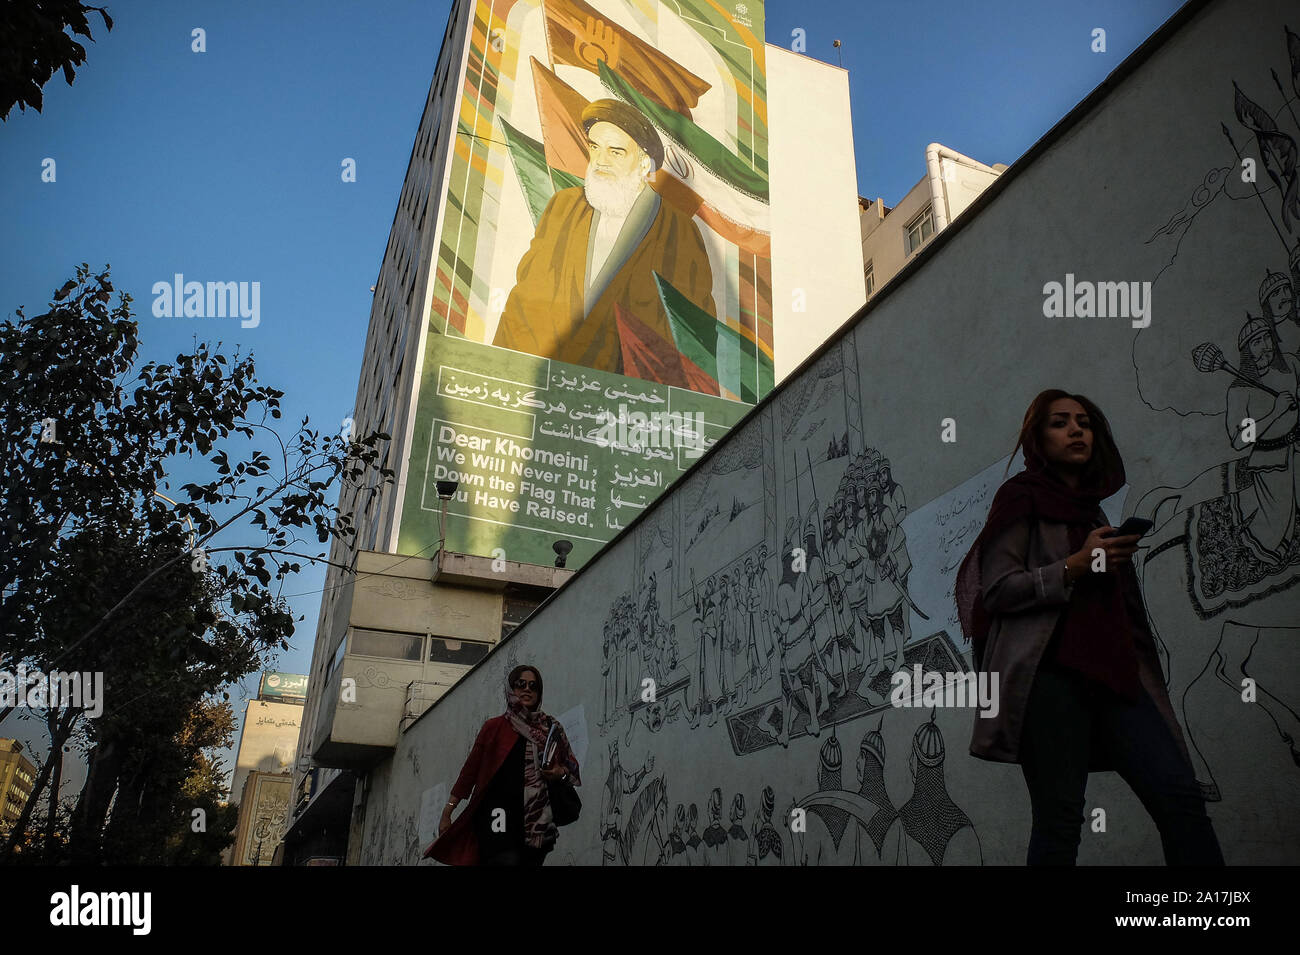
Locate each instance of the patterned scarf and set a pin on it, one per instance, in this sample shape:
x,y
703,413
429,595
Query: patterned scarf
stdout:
x,y
534,726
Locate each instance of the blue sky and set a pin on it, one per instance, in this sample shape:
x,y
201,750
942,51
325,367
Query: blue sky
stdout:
x,y
225,165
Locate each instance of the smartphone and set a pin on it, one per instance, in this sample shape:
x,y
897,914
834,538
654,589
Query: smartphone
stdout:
x,y
1134,525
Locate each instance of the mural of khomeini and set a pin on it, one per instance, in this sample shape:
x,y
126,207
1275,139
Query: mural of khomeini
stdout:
x,y
597,247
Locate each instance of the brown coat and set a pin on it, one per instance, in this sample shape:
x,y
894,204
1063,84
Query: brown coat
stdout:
x,y
547,312
1023,576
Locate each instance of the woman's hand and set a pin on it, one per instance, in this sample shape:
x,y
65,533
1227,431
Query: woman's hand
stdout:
x,y
556,771
1118,550
445,822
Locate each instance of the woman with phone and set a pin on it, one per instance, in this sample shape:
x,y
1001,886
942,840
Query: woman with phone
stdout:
x,y
1051,603
510,771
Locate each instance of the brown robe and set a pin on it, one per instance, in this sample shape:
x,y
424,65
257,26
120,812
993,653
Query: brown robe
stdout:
x,y
1022,571
546,313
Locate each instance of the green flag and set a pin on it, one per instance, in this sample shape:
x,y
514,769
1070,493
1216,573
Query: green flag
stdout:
x,y
538,180
719,160
704,340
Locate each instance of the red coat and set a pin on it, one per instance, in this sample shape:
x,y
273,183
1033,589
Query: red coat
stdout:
x,y
459,844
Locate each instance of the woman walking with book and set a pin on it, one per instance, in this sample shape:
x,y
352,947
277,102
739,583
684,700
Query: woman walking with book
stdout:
x,y
520,767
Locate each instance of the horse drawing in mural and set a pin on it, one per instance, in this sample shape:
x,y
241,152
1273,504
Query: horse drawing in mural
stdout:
x,y
1213,602
1223,556
645,839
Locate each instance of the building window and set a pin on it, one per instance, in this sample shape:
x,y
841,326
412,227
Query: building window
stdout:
x,y
920,229
391,646
464,652
338,658
871,279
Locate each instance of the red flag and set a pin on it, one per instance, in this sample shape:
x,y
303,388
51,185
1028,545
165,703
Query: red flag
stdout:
x,y
648,356
560,107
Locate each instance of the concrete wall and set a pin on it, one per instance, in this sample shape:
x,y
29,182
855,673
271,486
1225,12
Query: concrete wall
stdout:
x,y
1140,187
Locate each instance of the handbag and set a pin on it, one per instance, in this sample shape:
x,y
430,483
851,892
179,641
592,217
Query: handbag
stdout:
x,y
565,804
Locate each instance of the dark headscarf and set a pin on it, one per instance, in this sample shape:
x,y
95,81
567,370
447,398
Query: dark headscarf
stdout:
x,y
1097,638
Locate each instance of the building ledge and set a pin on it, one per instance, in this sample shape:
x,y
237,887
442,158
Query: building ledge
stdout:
x,y
489,573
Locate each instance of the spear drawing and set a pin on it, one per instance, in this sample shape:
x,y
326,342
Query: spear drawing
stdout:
x,y
1281,90
1255,186
1208,358
826,584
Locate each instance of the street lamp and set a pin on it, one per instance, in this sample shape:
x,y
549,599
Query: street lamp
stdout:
x,y
446,491
561,548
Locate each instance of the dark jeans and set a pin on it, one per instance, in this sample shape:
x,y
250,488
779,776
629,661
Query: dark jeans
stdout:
x,y
521,855
1066,718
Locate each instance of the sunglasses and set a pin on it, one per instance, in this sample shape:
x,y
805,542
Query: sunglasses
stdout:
x,y
525,684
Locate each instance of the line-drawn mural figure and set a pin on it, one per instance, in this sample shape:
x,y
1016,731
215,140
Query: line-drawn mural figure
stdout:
x,y
834,557
645,841
1236,528
886,570
1223,557
737,837
694,843
752,607
1287,319
609,672
892,491
670,653
1277,296
655,715
766,847
767,603
677,839
658,638
721,655
856,588
599,246
872,833
726,645
823,842
651,639
618,783
708,687
796,653
1268,507
935,830
742,667
826,632
631,651
713,849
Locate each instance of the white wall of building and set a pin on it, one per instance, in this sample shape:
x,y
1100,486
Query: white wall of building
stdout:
x,y
816,264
